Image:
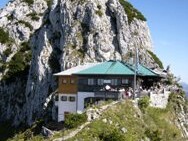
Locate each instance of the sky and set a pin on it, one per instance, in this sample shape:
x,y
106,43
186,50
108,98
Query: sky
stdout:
x,y
168,23
3,3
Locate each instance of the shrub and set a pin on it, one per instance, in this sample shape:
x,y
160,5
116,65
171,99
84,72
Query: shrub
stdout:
x,y
74,120
4,37
157,60
10,17
3,66
25,47
131,11
143,103
82,1
112,135
99,6
99,12
153,135
27,24
29,2
160,124
19,62
28,134
34,16
49,2
7,52
170,79
16,64
175,100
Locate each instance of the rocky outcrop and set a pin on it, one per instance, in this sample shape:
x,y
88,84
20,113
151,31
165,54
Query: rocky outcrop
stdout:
x,y
70,33
182,116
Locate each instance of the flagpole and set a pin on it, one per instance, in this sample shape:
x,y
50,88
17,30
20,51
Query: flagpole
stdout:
x,y
135,68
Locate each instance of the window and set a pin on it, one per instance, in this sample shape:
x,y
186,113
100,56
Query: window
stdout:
x,y
72,81
125,81
71,98
100,82
56,98
64,81
90,81
114,82
63,98
107,81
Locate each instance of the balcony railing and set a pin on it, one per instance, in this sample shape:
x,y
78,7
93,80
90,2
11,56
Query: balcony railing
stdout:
x,y
108,94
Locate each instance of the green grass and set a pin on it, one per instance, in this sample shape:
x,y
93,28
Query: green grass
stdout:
x,y
143,103
28,134
155,124
159,120
120,116
131,11
73,120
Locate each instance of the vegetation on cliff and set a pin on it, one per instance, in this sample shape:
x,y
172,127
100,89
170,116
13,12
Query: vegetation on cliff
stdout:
x,y
131,11
5,37
156,59
19,64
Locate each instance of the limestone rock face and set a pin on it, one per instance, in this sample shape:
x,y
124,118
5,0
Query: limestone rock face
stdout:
x,y
19,20
66,34
182,120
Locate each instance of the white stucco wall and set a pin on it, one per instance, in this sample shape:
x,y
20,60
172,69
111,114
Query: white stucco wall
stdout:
x,y
80,100
159,100
66,106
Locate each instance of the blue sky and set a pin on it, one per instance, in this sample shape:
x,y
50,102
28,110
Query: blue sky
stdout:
x,y
3,3
168,23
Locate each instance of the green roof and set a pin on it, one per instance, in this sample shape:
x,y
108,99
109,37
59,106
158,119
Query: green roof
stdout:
x,y
116,68
143,71
108,68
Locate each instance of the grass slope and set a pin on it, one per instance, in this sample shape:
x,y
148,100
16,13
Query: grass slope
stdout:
x,y
124,121
156,124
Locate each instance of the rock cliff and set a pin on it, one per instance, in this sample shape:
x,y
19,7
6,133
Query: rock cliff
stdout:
x,y
44,37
